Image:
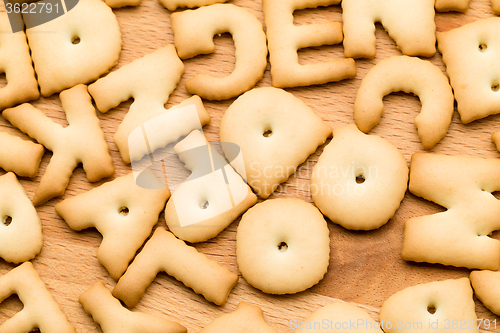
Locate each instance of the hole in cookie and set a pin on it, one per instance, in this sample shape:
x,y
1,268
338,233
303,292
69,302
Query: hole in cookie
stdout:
x,y
282,246
268,133
205,205
3,80
360,179
482,47
7,220
124,211
495,86
75,40
431,309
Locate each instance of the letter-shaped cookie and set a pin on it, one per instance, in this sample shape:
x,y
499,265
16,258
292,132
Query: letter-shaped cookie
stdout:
x,y
338,317
194,31
174,4
83,44
20,227
203,206
164,252
470,54
275,131
486,286
122,212
452,5
108,312
459,236
430,307
246,318
283,246
122,3
15,62
284,39
409,22
149,81
352,155
495,137
80,142
20,156
411,75
40,309
496,6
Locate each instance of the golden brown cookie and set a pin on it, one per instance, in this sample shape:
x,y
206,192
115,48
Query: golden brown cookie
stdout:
x,y
20,226
149,81
458,236
283,246
122,212
84,43
358,170
486,286
194,31
40,310
164,252
470,54
20,156
285,38
275,131
409,22
15,62
110,314
443,306
246,318
411,75
80,142
202,206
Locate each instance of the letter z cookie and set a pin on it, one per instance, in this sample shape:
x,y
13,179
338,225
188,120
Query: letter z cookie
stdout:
x,y
459,236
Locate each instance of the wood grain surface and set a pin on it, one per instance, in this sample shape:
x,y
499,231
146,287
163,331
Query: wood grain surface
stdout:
x,y
365,267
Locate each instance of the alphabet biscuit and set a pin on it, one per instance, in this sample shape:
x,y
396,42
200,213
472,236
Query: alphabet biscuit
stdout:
x,y
15,62
275,131
40,309
430,307
20,156
284,39
20,226
283,246
80,142
402,73
200,208
334,182
194,31
470,55
409,22
164,252
84,43
108,312
122,212
459,236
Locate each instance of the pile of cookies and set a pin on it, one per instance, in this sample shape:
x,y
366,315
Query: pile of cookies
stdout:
x,y
282,245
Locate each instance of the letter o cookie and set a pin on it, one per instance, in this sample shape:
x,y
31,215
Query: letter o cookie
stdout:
x,y
359,171
283,246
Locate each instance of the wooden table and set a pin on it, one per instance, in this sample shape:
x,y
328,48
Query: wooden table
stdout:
x,y
365,267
